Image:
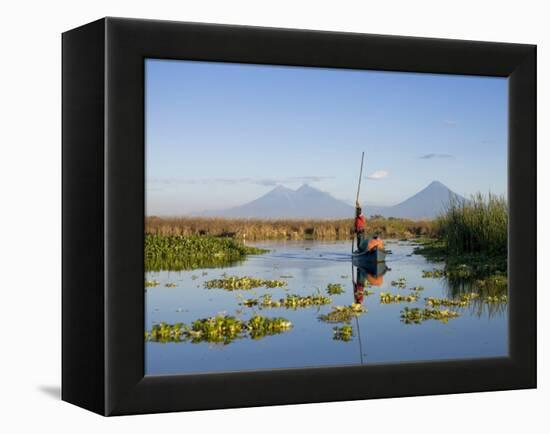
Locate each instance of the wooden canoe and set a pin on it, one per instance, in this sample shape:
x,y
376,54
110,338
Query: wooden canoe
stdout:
x,y
369,257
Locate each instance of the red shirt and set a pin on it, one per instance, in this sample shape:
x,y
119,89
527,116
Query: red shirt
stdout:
x,y
360,223
358,293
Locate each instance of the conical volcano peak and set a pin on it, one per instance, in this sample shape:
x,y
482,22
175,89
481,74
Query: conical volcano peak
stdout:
x,y
436,184
306,188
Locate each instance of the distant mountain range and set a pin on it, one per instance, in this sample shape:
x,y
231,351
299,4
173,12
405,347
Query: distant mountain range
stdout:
x,y
307,202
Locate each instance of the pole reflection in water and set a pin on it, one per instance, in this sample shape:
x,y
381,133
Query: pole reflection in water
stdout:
x,y
374,275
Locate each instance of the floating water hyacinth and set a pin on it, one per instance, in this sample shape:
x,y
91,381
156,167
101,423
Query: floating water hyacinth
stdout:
x,y
364,292
435,273
387,298
417,315
463,301
218,329
232,283
417,288
290,301
400,283
151,283
343,313
335,289
342,333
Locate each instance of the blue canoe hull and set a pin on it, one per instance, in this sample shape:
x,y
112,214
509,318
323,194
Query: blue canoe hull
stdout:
x,y
375,256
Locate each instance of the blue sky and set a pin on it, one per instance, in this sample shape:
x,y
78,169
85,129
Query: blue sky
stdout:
x,y
221,134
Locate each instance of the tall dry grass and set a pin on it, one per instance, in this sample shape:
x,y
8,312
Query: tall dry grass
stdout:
x,y
257,229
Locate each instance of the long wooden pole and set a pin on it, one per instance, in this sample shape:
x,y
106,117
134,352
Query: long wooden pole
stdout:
x,y
360,176
357,197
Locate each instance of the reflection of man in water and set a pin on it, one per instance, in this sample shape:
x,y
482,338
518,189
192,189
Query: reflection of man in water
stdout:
x,y
359,286
359,283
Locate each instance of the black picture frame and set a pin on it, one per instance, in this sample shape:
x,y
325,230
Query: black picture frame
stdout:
x,y
103,215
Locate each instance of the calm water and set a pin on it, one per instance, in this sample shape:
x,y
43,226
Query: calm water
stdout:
x,y
379,335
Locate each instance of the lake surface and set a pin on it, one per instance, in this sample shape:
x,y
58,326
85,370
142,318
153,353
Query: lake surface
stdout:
x,y
379,335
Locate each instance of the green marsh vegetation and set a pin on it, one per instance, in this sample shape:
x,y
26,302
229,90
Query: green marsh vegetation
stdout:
x,y
343,314
178,252
234,283
218,329
471,238
400,283
417,315
387,298
342,333
335,289
290,301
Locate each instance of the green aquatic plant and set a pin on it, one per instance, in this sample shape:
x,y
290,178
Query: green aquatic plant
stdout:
x,y
340,314
495,283
342,333
218,329
293,301
164,332
290,301
417,288
495,299
335,289
400,283
260,326
436,273
232,283
417,315
178,252
364,292
387,298
463,300
170,285
151,283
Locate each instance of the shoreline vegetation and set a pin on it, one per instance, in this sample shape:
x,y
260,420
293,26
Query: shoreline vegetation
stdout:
x,y
471,239
178,252
259,230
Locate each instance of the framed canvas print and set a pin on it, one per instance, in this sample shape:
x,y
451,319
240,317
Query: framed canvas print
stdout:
x,y
257,216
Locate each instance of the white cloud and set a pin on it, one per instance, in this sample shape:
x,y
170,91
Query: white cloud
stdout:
x,y
378,174
434,155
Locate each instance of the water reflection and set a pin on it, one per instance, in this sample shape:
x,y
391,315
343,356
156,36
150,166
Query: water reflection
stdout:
x,y
455,287
370,275
320,335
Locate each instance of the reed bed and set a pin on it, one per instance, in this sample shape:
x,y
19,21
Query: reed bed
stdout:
x,y
479,225
258,229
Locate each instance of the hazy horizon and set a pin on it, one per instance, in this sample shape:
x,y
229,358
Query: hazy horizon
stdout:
x,y
219,135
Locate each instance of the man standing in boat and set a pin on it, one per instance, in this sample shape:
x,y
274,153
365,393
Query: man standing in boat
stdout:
x,y
359,225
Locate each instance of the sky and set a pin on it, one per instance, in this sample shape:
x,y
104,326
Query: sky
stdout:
x,y
222,134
